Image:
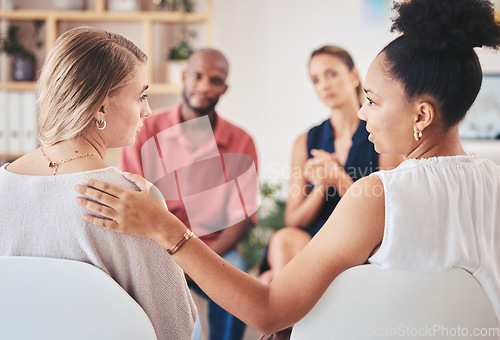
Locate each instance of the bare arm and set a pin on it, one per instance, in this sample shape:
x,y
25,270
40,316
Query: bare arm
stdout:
x,y
230,237
346,240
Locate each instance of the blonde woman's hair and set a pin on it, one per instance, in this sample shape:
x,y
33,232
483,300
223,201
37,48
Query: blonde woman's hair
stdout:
x,y
83,67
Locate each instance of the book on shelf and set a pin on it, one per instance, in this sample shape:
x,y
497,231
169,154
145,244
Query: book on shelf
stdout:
x,y
14,113
30,125
18,122
4,147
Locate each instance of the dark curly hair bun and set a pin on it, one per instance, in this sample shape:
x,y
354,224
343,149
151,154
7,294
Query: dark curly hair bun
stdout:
x,y
447,24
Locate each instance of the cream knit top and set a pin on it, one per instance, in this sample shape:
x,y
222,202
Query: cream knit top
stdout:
x,y
39,217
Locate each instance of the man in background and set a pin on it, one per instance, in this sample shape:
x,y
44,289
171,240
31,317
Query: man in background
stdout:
x,y
205,168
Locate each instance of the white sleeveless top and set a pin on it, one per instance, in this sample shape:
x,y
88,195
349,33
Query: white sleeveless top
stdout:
x,y
444,212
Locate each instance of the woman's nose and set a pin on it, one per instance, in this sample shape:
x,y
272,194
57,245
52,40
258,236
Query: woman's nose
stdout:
x,y
361,113
147,111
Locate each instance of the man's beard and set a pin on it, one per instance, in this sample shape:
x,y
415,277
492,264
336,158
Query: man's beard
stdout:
x,y
201,111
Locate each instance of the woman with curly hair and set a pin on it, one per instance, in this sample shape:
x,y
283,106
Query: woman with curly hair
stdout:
x,y
438,209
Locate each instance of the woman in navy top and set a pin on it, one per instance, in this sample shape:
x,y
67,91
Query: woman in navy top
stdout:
x,y
362,159
326,160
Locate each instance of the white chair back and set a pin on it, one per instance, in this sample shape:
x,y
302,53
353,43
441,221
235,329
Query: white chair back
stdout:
x,y
44,298
366,302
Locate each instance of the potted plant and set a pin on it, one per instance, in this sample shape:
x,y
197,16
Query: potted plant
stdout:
x,y
271,217
178,57
24,62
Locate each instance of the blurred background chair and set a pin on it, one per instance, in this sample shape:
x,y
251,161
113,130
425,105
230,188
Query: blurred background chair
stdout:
x,y
44,298
366,302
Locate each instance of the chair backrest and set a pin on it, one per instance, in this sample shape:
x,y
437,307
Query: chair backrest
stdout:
x,y
44,298
366,302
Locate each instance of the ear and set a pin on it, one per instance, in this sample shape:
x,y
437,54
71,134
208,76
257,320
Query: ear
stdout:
x,y
425,116
101,113
226,86
355,74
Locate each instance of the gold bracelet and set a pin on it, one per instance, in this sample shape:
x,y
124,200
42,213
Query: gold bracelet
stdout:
x,y
187,235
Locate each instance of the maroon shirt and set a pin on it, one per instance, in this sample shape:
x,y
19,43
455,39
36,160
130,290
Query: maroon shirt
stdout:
x,y
208,187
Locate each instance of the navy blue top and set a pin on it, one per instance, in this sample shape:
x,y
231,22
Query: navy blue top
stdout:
x,y
361,161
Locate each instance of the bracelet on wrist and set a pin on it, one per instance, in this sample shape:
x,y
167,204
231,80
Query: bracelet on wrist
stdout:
x,y
187,235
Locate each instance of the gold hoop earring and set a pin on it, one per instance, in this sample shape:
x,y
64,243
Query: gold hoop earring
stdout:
x,y
100,122
355,83
417,135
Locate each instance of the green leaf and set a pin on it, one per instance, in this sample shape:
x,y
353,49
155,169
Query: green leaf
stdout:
x,y
12,43
255,242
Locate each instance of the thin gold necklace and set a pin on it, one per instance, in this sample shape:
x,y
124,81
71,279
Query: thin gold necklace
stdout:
x,y
55,165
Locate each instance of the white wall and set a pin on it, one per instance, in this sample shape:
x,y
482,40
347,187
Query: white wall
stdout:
x,y
268,43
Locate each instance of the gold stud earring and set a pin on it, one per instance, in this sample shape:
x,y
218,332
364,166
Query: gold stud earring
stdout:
x,y
417,134
355,83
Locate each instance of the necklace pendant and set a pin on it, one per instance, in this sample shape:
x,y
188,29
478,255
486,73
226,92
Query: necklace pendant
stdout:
x,y
52,164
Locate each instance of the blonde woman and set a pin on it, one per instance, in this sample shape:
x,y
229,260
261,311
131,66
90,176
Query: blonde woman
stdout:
x,y
91,97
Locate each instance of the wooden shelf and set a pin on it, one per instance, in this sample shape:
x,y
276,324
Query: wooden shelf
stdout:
x,y
57,21
18,86
156,16
157,88
154,88
146,18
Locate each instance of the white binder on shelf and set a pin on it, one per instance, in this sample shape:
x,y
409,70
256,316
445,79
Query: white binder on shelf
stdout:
x,y
4,123
29,123
15,114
